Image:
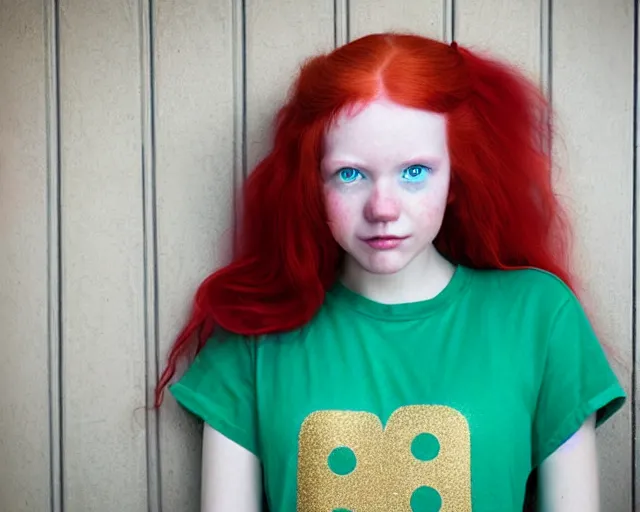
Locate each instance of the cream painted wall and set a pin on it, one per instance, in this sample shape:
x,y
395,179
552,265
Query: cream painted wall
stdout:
x,y
124,127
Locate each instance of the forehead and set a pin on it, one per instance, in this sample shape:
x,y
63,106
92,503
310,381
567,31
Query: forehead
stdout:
x,y
383,129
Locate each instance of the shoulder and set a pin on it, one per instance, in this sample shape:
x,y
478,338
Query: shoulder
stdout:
x,y
527,300
533,279
531,285
225,348
222,336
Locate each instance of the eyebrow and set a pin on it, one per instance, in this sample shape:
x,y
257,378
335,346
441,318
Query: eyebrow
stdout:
x,y
429,160
342,162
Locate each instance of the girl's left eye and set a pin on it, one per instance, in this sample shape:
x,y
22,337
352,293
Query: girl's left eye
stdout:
x,y
416,173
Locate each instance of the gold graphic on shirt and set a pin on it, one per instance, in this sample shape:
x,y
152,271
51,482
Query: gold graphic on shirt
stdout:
x,y
347,461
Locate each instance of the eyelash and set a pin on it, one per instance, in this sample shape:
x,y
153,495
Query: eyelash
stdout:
x,y
427,170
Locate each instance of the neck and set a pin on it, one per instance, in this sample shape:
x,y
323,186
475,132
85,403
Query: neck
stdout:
x,y
424,278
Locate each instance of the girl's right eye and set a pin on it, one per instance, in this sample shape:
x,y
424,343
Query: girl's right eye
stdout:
x,y
349,174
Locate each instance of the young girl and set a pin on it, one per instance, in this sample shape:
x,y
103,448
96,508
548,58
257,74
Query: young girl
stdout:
x,y
397,330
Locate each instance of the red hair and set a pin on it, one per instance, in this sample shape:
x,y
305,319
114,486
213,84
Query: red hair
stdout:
x,y
502,214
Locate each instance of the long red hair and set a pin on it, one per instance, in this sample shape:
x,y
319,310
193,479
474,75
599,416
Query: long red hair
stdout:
x,y
503,213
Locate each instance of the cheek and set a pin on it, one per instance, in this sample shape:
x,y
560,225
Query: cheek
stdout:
x,y
427,213
341,212
431,207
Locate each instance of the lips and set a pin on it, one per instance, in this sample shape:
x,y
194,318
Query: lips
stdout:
x,y
384,242
385,237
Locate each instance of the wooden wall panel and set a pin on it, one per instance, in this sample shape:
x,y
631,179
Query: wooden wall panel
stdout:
x,y
509,29
592,91
103,347
196,114
24,334
426,17
278,40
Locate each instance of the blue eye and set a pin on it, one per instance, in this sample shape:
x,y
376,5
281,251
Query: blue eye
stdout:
x,y
416,173
349,174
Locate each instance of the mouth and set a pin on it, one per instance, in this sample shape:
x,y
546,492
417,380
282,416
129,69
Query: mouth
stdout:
x,y
385,237
384,242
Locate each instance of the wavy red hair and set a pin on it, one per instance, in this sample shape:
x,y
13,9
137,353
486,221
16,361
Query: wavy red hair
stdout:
x,y
503,213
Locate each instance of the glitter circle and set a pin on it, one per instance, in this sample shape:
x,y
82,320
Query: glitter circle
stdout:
x,y
341,510
342,461
426,499
425,447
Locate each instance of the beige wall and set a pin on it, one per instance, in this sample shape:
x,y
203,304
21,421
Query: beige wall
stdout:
x,y
124,127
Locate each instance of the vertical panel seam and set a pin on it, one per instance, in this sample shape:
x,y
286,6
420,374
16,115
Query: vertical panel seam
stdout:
x,y
546,47
239,81
546,67
336,35
449,20
54,256
347,20
634,272
150,251
341,22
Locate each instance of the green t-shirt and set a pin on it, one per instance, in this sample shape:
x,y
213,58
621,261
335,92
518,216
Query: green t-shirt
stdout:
x,y
444,404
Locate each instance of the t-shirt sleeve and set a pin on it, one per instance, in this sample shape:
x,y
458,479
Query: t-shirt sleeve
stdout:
x,y
219,387
577,381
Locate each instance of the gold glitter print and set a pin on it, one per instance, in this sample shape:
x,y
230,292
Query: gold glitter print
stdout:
x,y
420,462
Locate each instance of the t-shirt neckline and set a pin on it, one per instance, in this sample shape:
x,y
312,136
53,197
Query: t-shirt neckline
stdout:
x,y
339,293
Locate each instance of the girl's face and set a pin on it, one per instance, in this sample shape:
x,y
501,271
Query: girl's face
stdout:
x,y
386,176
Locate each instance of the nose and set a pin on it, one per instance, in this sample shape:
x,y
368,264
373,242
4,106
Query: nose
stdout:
x,y
382,206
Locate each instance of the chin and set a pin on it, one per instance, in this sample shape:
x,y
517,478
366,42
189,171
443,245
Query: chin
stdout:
x,y
383,264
